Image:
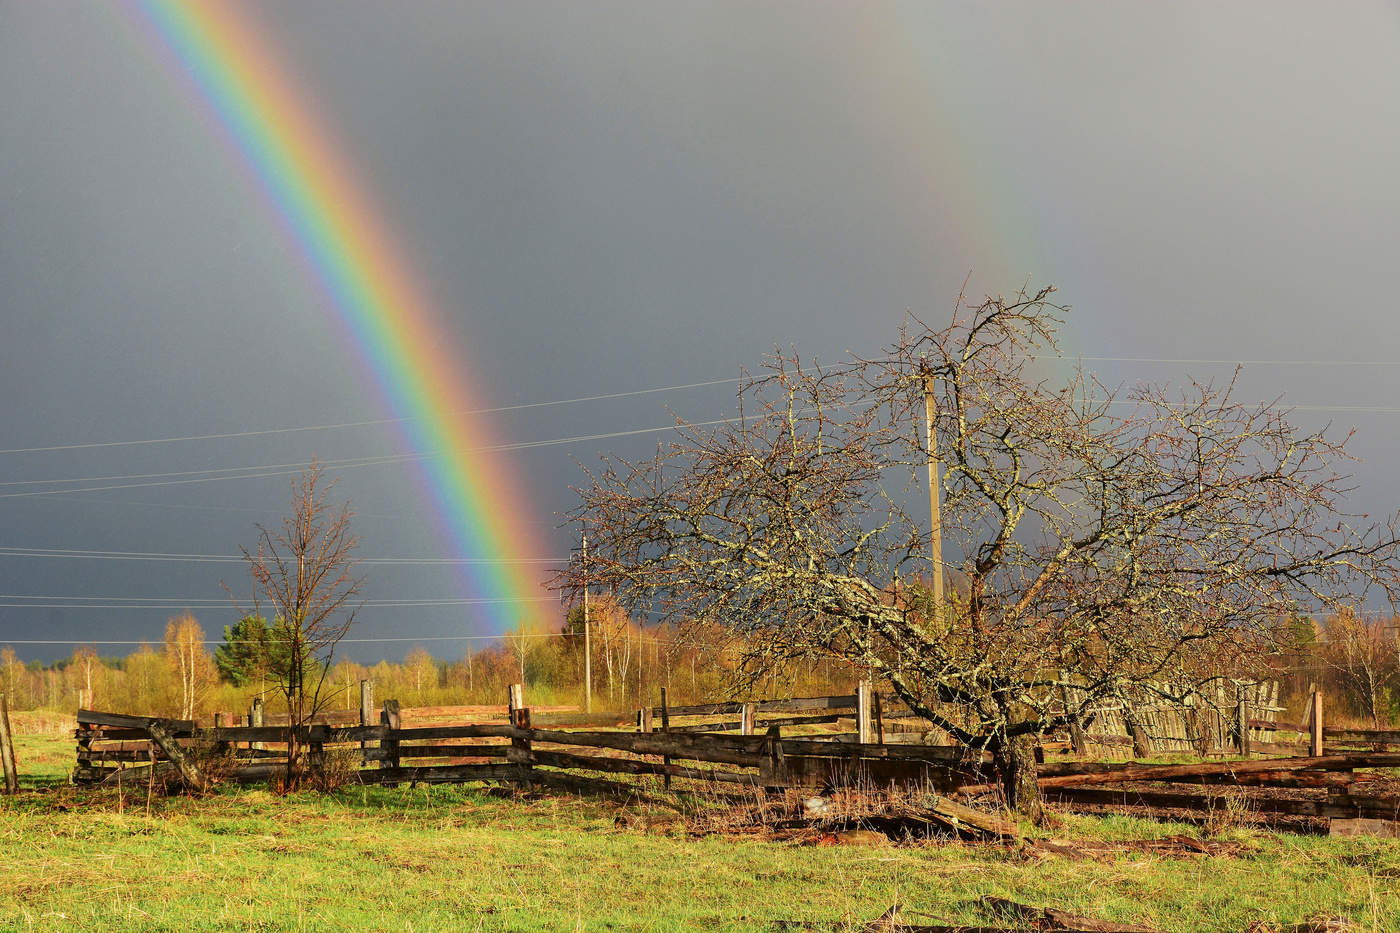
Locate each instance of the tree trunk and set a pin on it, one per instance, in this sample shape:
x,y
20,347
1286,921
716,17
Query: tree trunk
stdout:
x,y
1015,765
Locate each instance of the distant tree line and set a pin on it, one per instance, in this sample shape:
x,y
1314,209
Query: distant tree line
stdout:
x,y
1355,658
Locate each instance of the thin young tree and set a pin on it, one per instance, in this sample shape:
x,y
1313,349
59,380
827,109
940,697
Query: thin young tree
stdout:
x,y
304,571
1146,540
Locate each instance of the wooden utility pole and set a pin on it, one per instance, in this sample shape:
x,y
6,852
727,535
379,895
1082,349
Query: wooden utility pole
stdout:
x,y
934,513
587,641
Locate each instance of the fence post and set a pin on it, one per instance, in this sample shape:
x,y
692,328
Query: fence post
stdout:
x,y
1315,725
772,768
366,710
864,732
1076,723
520,747
390,719
255,717
515,700
644,719
666,728
1242,724
879,718
748,719
7,748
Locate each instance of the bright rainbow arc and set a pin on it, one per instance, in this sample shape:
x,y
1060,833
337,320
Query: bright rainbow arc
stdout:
x,y
368,284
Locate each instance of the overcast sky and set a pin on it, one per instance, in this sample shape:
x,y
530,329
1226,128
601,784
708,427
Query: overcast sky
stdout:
x,y
610,197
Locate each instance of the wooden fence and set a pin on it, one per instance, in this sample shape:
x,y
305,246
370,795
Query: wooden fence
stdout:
x,y
115,748
1329,775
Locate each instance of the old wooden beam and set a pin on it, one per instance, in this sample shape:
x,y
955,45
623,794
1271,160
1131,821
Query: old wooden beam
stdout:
x,y
176,754
1202,769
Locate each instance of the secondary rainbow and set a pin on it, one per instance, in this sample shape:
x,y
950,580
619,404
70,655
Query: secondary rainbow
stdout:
x,y
370,286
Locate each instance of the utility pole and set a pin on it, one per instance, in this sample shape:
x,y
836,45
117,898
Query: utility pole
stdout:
x,y
934,514
587,642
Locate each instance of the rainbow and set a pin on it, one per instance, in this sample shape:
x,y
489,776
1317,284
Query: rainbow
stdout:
x,y
329,217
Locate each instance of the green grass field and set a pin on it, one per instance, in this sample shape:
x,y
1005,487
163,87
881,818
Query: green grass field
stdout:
x,y
450,858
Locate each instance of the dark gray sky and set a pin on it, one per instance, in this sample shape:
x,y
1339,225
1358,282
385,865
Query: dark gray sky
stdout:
x,y
609,197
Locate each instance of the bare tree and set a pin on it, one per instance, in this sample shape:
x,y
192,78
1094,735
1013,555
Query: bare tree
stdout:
x,y
1364,654
305,571
1127,538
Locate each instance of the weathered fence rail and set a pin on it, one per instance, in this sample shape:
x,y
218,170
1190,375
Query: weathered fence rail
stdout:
x,y
1329,776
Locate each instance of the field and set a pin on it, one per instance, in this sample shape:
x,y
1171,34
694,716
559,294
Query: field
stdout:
x,y
449,858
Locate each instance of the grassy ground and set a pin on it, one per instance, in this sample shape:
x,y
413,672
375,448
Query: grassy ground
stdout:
x,y
416,859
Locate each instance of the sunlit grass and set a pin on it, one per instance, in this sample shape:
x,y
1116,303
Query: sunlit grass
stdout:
x,y
453,858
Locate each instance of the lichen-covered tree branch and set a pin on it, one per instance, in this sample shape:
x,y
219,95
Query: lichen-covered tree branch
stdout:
x,y
1149,538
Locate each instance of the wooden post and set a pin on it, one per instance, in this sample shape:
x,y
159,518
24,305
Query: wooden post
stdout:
x,y
366,711
587,638
879,719
521,750
644,719
772,771
748,719
390,718
515,701
7,748
255,717
1076,723
666,728
935,518
1315,725
1242,724
188,770
864,730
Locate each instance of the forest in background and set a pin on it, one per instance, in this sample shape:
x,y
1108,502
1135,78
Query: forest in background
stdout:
x,y
1355,659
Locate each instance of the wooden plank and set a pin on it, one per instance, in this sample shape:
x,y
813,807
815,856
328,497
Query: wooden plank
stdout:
x,y
734,725
766,706
1376,736
1315,726
409,752
1176,772
172,727
632,766
1182,800
442,774
740,749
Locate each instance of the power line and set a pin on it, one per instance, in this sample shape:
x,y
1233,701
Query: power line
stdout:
x,y
175,602
259,472
648,391
13,551
372,422
1218,362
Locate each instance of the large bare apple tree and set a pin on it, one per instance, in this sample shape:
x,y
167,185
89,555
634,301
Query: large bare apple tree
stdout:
x,y
1117,539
